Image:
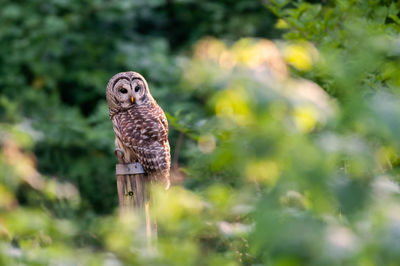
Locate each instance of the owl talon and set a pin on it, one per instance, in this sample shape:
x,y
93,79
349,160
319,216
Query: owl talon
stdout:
x,y
119,154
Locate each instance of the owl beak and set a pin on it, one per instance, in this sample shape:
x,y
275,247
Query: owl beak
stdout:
x,y
132,99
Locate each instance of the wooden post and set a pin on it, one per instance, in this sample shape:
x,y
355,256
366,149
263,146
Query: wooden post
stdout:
x,y
134,194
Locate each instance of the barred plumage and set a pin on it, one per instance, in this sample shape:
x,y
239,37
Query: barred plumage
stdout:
x,y
140,125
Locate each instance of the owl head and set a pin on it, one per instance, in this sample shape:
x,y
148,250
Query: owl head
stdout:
x,y
126,90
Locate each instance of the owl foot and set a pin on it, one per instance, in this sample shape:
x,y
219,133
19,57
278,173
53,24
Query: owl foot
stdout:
x,y
120,154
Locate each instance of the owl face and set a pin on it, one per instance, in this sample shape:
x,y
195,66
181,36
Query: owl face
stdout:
x,y
126,90
129,92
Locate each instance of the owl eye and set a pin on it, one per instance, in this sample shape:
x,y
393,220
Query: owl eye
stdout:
x,y
137,88
123,90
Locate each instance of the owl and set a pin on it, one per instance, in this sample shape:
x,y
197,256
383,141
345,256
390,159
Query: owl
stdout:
x,y
140,125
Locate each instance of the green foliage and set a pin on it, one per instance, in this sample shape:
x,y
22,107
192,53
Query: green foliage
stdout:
x,y
289,151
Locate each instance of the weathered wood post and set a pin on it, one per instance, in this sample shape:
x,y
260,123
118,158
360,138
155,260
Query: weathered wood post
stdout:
x,y
134,193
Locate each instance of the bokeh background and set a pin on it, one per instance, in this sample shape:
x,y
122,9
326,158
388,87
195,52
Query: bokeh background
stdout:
x,y
284,127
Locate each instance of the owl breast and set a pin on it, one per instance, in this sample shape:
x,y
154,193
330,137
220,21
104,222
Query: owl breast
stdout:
x,y
142,133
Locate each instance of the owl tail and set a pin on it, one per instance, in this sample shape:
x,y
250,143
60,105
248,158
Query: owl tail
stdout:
x,y
161,177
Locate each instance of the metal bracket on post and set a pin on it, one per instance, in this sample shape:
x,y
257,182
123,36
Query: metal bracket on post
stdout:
x,y
129,169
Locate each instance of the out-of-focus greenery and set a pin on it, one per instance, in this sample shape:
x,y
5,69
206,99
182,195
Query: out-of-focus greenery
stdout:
x,y
290,147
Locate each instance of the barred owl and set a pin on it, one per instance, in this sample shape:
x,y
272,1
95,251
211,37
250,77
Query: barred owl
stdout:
x,y
140,125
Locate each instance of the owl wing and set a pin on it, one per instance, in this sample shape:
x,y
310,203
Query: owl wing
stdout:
x,y
163,119
145,134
